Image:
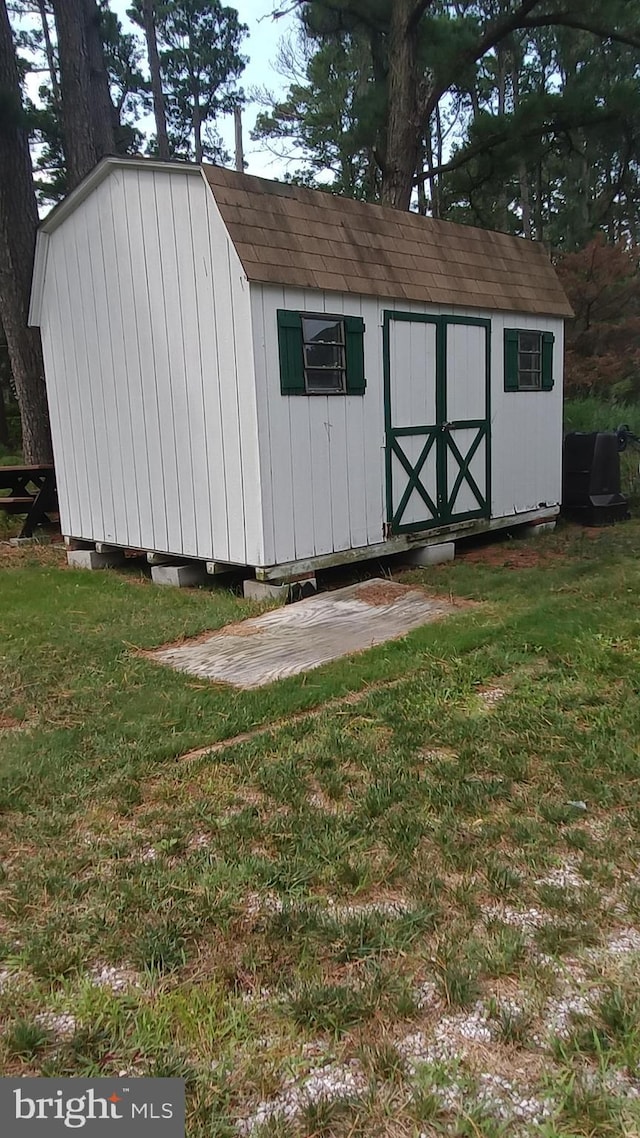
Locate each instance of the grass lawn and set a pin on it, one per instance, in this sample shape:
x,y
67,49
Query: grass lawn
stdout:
x,y
408,904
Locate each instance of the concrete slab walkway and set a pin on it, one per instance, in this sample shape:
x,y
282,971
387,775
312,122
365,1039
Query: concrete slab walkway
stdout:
x,y
305,635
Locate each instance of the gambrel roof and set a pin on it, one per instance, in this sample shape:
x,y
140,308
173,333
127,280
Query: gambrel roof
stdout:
x,y
291,235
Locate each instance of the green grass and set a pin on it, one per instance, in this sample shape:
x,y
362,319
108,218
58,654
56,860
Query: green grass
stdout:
x,y
595,414
343,887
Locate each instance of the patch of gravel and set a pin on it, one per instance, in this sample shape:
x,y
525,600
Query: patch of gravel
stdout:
x,y
449,1037
567,968
321,801
426,996
615,1082
624,942
131,1073
116,979
489,697
390,907
256,903
199,842
527,920
501,1098
510,1007
563,877
62,1025
257,996
314,1049
440,754
496,1096
329,1083
10,978
559,1013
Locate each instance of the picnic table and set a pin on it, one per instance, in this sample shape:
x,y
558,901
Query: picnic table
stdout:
x,y
31,491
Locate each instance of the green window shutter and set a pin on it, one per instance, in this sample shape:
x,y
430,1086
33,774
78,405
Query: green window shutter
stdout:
x,y
511,359
291,353
547,360
354,335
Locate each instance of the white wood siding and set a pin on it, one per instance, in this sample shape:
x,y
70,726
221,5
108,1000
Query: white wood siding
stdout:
x,y
146,331
322,457
526,427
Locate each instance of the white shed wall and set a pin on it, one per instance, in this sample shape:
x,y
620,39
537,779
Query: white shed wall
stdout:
x,y
526,427
322,457
145,323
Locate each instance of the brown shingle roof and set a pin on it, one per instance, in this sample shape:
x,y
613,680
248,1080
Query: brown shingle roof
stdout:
x,y
291,235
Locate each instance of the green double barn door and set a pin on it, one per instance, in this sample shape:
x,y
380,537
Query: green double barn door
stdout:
x,y
436,390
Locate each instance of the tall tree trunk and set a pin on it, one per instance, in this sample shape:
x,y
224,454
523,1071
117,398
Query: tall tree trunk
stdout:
x,y
18,224
631,213
159,110
403,127
87,111
439,149
197,127
4,424
525,203
48,47
433,183
523,178
501,216
423,157
237,122
105,122
539,204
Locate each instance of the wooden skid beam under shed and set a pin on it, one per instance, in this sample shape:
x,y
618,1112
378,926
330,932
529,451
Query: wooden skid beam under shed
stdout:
x,y
290,570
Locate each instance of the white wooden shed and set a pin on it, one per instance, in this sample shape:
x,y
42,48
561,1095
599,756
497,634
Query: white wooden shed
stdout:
x,y
244,372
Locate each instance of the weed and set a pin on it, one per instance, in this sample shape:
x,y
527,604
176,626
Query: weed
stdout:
x,y
160,948
503,879
513,1023
26,1039
457,977
330,1007
504,951
565,936
382,1061
321,1118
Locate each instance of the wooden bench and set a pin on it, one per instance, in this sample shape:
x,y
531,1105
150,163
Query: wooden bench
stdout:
x,y
29,490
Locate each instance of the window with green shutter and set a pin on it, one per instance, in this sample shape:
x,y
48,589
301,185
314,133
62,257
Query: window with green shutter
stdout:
x,y
320,354
528,360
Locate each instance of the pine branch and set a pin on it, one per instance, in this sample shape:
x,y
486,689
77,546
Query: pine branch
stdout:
x,y
487,146
582,24
493,36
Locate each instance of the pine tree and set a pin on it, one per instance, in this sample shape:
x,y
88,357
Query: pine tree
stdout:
x,y
200,61
88,115
18,224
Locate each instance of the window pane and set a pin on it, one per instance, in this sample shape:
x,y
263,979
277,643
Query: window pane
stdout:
x,y
324,380
529,380
529,341
324,355
321,329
